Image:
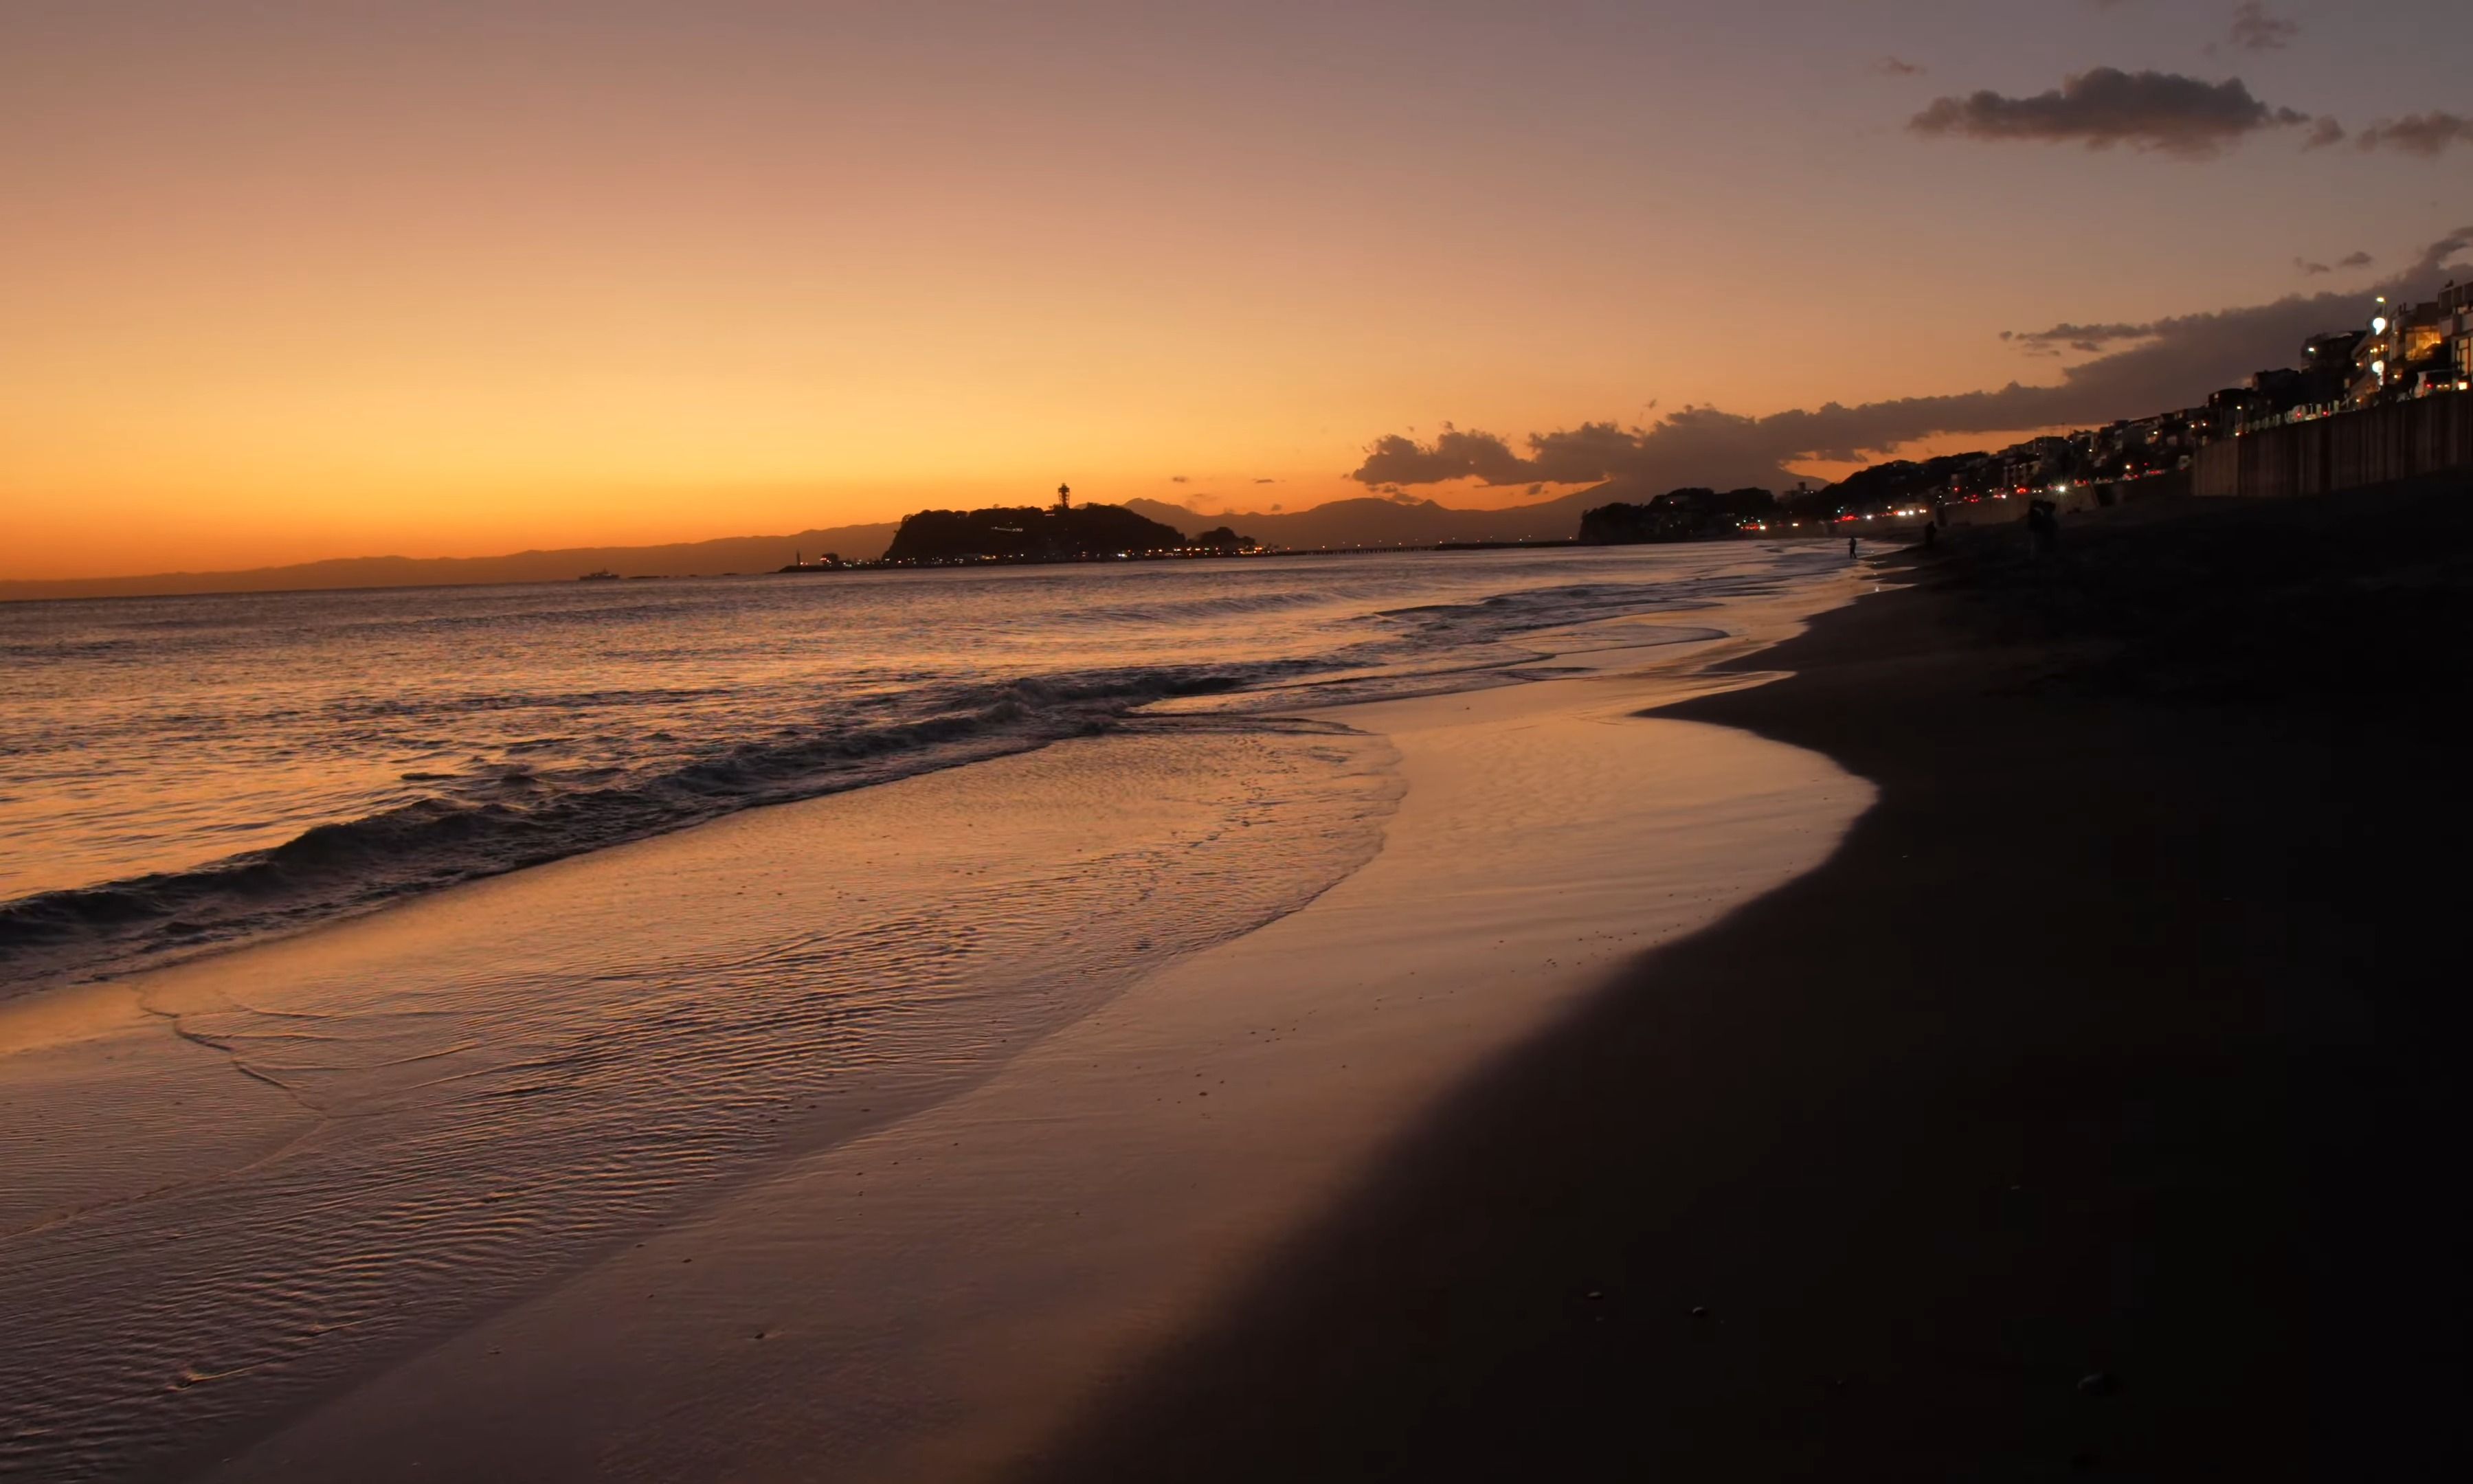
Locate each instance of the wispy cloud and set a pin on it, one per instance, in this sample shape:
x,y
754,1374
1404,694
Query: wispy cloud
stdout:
x,y
1899,67
2348,260
2162,112
2427,134
2161,364
2089,337
2257,29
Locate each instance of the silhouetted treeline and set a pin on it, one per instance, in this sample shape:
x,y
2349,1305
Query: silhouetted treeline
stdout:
x,y
1898,482
1676,516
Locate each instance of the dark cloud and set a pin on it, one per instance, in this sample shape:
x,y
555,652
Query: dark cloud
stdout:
x,y
2089,337
1899,67
1266,481
2348,260
2164,363
2323,133
1395,459
1178,479
2146,110
2426,134
2256,28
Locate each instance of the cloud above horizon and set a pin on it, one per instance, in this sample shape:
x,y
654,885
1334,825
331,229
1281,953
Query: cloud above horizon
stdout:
x,y
2257,29
2087,338
2160,364
2160,111
2426,134
2312,270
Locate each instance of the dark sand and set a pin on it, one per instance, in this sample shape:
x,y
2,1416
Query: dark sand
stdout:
x,y
2097,1109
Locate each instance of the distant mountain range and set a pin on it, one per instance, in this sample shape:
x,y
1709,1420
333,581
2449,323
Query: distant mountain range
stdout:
x,y
1370,521
1367,521
731,554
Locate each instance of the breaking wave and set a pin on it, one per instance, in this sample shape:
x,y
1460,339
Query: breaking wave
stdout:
x,y
371,747
336,869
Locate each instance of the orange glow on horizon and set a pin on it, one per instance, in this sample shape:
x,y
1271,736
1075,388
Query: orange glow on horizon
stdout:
x,y
286,282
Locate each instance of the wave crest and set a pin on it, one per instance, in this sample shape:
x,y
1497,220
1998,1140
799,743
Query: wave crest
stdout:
x,y
348,866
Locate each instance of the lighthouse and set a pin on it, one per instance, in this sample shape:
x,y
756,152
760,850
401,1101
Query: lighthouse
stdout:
x,y
1063,498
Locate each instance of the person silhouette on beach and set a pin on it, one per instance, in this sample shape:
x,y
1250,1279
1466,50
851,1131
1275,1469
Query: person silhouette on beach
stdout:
x,y
2043,529
1850,547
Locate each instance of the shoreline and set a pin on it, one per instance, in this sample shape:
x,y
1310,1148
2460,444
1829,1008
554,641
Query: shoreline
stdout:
x,y
243,1183
217,880
1571,726
2079,1117
1013,1243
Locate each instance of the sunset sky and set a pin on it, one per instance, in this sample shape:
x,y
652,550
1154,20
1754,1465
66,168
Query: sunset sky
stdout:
x,y
282,281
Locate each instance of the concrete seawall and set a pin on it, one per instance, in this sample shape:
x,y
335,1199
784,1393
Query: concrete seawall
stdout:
x,y
2378,445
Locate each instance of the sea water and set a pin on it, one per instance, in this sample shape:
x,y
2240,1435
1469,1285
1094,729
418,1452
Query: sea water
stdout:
x,y
182,771
326,1136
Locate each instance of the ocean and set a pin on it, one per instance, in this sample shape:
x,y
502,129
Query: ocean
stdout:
x,y
240,1180
183,774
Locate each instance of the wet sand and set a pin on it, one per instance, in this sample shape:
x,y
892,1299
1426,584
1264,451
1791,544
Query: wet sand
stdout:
x,y
2096,1110
630,1166
931,1300
245,1184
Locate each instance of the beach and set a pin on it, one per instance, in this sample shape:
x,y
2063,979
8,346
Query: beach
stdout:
x,y
873,1133
1974,1018
1017,1242
2087,1115
1196,741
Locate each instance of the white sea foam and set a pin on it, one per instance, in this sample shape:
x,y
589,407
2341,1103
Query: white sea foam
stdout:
x,y
356,1141
181,773
432,1111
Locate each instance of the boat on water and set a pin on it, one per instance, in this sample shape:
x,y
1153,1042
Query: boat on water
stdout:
x,y
603,575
